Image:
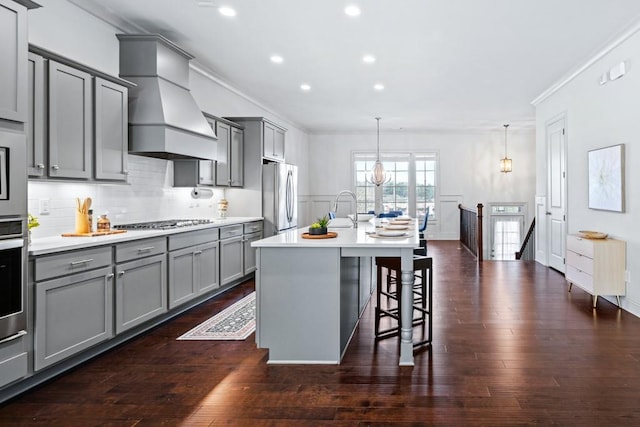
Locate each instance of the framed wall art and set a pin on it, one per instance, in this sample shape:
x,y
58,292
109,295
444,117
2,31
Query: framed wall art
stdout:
x,y
606,178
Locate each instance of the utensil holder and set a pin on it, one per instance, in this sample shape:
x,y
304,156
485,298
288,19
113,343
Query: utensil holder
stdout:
x,y
82,222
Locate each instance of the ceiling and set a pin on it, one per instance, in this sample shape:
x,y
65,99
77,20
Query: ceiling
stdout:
x,y
472,64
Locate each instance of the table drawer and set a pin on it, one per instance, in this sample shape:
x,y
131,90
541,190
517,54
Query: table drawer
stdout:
x,y
579,278
60,264
231,231
580,245
140,249
580,262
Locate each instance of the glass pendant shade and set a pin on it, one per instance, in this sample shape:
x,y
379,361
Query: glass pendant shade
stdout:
x,y
505,163
378,175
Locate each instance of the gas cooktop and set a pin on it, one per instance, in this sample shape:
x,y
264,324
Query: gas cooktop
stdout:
x,y
163,225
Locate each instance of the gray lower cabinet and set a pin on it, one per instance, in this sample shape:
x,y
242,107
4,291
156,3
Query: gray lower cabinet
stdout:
x,y
73,313
70,121
141,285
231,253
111,130
193,265
252,232
14,364
13,51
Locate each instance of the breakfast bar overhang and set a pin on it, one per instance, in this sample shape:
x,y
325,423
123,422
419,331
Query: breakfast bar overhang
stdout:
x,y
311,292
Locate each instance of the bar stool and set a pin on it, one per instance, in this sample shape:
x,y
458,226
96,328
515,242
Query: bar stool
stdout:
x,y
422,295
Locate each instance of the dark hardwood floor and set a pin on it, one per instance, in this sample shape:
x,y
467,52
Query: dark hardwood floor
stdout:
x,y
511,347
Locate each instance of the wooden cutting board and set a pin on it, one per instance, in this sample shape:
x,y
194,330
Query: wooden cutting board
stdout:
x,y
93,233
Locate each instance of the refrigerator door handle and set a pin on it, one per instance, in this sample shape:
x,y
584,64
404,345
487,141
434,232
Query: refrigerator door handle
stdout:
x,y
289,195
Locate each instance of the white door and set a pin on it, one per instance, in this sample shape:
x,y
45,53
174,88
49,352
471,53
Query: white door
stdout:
x,y
556,194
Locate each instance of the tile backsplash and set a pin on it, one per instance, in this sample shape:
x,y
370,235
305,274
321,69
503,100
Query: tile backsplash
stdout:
x,y
147,196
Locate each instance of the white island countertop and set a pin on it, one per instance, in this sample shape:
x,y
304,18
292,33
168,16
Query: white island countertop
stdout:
x,y
360,237
53,244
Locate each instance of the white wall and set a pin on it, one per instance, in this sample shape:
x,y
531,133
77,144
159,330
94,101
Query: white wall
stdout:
x,y
600,116
469,164
63,28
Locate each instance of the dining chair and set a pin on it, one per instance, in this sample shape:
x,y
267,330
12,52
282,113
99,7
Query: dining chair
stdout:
x,y
422,250
387,215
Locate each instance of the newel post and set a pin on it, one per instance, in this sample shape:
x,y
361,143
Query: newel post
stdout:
x,y
480,249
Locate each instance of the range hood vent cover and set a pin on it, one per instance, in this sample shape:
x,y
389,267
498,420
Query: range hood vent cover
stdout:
x,y
164,119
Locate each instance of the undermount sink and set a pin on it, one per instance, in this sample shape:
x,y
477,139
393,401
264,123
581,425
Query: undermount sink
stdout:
x,y
340,223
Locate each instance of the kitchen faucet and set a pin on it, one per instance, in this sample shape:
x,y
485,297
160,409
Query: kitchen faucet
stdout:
x,y
355,200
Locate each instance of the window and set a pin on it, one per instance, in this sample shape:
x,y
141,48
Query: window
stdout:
x,y
411,187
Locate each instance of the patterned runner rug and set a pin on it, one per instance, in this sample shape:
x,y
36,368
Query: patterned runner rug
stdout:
x,y
235,322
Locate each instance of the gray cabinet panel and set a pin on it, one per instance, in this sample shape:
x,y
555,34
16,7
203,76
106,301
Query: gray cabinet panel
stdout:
x,y
182,279
13,360
141,291
237,157
72,314
140,248
70,122
36,116
71,262
231,254
249,252
223,172
273,143
111,140
207,267
13,67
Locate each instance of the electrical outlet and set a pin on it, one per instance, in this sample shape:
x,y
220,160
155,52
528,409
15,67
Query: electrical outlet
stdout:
x,y
45,207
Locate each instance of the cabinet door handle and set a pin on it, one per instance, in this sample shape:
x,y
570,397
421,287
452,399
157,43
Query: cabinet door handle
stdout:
x,y
83,261
55,167
147,249
120,273
110,276
40,166
197,252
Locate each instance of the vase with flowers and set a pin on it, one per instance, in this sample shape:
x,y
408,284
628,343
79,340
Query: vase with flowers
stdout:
x,y
32,222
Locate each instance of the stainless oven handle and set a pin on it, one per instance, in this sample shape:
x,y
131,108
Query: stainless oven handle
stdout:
x,y
13,337
11,244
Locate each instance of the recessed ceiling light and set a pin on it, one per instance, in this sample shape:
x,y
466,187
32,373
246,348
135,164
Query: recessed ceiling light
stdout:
x,y
305,87
352,10
378,86
369,59
277,59
226,11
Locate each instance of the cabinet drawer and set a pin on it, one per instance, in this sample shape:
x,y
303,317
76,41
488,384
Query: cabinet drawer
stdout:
x,y
231,231
580,278
252,227
192,238
580,245
580,262
49,266
140,249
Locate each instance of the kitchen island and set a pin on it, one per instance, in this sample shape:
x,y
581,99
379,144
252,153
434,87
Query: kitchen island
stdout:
x,y
311,292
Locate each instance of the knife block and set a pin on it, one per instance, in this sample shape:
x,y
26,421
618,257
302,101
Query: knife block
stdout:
x,y
82,222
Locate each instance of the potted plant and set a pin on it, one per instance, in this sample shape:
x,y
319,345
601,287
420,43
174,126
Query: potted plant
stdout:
x,y
319,227
32,222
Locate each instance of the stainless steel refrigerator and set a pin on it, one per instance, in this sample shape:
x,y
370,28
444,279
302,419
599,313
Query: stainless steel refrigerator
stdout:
x,y
279,197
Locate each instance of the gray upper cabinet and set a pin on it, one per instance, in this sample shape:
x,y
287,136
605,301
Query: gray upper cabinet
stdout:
x,y
13,67
111,140
273,146
70,122
36,117
262,138
230,160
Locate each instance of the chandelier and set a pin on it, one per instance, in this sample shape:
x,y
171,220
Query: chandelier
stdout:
x,y
378,176
505,163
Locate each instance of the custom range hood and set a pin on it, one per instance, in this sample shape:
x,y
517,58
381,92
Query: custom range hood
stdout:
x,y
164,119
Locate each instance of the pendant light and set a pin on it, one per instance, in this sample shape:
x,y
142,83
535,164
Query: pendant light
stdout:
x,y
378,176
505,164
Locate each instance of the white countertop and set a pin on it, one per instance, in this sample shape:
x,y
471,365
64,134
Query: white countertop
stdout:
x,y
347,238
47,245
